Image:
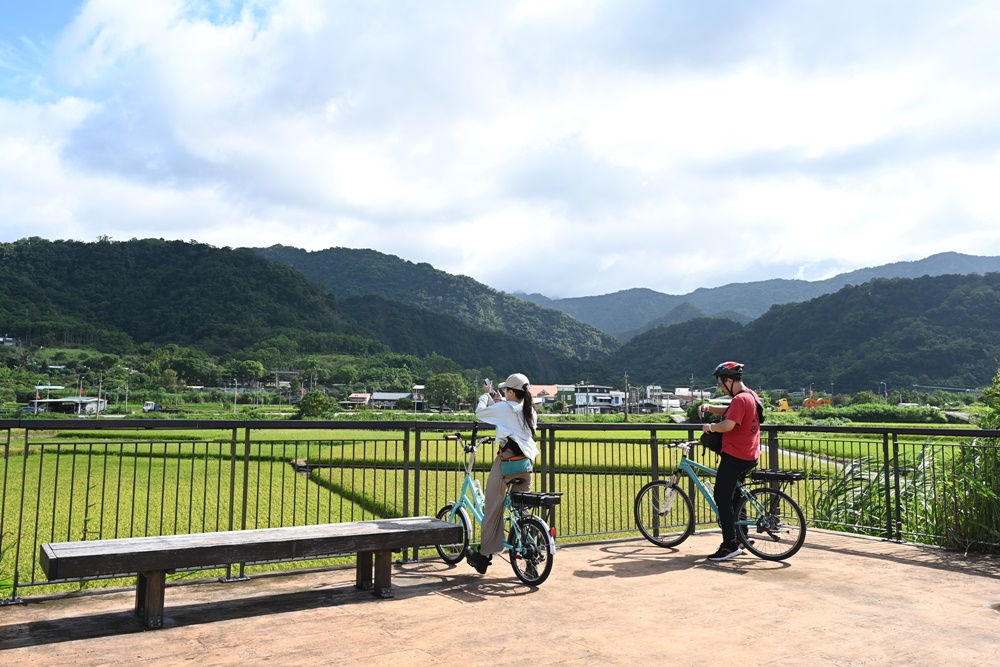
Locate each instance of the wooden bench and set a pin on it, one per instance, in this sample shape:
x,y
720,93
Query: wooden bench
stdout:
x,y
153,557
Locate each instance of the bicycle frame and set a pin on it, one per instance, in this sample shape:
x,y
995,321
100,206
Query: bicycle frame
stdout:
x,y
691,468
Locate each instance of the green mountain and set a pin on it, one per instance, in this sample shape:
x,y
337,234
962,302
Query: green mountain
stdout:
x,y
116,294
632,311
929,331
347,272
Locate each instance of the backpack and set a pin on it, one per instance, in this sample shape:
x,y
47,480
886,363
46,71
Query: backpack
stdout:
x,y
760,408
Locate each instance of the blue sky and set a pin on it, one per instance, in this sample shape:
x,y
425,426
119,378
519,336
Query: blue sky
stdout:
x,y
568,147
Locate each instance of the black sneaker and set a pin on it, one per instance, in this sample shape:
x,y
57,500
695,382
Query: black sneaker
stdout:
x,y
725,553
477,560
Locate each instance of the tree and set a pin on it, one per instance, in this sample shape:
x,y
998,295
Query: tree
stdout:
x,y
446,389
313,404
246,371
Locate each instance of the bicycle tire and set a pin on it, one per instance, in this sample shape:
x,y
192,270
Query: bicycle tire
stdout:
x,y
666,528
778,532
530,558
455,552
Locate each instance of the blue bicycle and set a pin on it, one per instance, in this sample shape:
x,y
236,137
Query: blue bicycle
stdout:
x,y
530,543
769,524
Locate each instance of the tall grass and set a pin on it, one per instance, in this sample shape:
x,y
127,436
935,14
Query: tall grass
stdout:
x,y
950,496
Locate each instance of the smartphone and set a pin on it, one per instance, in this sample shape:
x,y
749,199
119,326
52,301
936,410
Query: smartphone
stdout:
x,y
486,381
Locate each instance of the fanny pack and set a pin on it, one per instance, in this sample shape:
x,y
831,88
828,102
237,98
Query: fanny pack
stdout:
x,y
517,465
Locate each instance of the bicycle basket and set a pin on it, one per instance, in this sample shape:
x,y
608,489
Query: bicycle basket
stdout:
x,y
535,499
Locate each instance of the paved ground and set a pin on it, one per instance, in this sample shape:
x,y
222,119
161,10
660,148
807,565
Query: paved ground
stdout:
x,y
842,600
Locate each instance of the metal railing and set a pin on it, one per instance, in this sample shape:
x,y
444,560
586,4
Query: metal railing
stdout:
x,y
244,474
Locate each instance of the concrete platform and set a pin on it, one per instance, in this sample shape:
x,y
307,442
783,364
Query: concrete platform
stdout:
x,y
842,600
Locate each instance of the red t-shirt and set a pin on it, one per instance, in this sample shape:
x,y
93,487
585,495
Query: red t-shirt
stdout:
x,y
743,441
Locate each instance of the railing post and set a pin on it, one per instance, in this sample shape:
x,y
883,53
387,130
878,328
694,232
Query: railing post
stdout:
x,y
899,500
550,462
654,455
414,551
773,455
232,502
549,468
887,485
13,599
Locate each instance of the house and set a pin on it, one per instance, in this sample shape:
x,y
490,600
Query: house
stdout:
x,y
418,397
566,394
72,405
544,395
652,399
687,395
355,401
385,400
593,399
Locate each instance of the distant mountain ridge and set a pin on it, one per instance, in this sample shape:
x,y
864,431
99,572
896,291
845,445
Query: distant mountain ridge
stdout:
x,y
933,330
632,311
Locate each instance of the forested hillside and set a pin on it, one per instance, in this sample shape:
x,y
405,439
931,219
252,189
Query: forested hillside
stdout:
x,y
629,312
115,294
932,331
347,272
201,312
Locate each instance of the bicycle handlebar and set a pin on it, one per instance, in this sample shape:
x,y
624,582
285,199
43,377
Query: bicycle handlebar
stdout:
x,y
679,445
472,445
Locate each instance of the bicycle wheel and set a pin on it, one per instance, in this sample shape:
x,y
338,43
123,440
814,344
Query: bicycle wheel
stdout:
x,y
455,552
664,514
530,557
777,528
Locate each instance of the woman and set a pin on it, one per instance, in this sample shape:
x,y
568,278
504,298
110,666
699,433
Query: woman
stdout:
x,y
514,416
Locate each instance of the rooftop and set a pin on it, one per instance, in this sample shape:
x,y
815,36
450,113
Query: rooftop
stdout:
x,y
842,600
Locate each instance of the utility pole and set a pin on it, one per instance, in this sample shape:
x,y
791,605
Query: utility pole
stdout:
x,y
626,396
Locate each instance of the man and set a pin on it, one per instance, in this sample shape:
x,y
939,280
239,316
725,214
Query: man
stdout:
x,y
740,428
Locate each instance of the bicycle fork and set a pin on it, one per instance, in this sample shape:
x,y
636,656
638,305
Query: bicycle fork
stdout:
x,y
668,494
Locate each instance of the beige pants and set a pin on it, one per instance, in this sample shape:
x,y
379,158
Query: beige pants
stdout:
x,y
492,529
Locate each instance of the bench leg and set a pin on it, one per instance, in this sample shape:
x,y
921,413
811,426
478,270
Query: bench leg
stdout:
x,y
381,563
383,574
149,591
363,579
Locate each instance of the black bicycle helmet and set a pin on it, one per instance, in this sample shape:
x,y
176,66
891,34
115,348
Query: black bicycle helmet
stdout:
x,y
729,369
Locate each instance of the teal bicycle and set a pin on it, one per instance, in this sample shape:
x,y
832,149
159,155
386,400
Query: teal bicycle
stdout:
x,y
530,543
769,524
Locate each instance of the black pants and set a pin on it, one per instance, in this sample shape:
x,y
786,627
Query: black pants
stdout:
x,y
731,471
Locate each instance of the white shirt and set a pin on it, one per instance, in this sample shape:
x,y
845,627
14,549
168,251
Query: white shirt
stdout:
x,y
506,416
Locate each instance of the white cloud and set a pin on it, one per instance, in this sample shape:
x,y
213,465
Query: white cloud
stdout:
x,y
599,145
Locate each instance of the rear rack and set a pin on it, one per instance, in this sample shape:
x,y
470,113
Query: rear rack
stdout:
x,y
775,476
535,499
